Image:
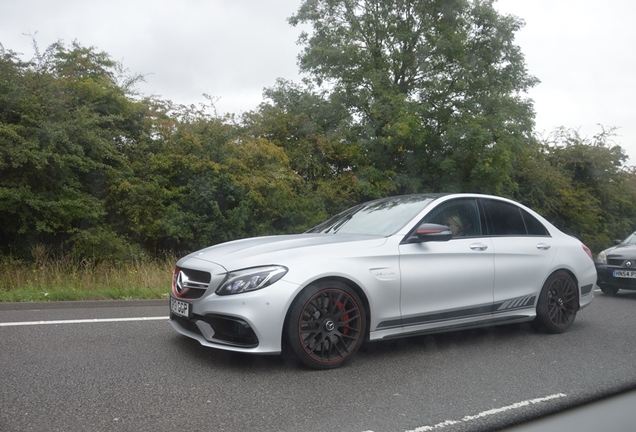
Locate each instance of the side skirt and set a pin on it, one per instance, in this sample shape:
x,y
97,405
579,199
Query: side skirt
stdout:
x,y
517,316
493,322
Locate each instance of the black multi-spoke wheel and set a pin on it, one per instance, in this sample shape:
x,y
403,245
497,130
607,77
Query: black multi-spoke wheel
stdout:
x,y
558,303
326,325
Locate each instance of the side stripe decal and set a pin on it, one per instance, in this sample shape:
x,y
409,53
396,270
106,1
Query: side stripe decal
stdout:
x,y
524,302
515,303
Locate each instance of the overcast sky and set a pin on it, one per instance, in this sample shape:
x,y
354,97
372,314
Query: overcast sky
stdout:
x,y
581,50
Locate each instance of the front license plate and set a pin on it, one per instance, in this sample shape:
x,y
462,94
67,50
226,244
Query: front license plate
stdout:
x,y
624,273
180,308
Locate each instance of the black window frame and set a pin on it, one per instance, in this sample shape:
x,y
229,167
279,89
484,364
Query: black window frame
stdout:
x,y
530,223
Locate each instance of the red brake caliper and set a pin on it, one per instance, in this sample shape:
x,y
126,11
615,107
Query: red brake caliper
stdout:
x,y
343,318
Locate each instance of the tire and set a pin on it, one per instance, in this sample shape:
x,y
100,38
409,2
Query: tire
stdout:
x,y
326,325
558,303
608,290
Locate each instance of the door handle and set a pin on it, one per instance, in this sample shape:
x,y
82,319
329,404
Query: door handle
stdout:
x,y
543,246
478,246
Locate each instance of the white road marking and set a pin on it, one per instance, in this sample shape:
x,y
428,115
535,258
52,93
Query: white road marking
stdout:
x,y
81,321
487,413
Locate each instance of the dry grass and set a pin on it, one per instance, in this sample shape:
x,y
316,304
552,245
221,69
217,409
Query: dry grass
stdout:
x,y
64,278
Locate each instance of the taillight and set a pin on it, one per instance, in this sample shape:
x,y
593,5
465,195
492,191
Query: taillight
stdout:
x,y
587,251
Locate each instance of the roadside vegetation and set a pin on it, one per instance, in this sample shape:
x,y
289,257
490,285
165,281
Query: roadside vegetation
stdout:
x,y
102,188
66,278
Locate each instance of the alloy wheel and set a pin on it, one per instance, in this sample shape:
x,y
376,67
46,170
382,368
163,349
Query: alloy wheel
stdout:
x,y
330,326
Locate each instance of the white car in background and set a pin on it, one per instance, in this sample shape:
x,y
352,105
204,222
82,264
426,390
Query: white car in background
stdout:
x,y
390,268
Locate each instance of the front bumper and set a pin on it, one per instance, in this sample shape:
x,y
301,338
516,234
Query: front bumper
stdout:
x,y
606,278
217,329
250,322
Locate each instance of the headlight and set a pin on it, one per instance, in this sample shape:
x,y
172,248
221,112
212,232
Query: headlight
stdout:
x,y
601,258
251,279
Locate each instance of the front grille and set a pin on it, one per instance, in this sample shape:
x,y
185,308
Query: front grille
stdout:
x,y
623,282
192,284
622,262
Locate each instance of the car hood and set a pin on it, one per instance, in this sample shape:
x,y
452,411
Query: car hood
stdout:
x,y
622,251
283,249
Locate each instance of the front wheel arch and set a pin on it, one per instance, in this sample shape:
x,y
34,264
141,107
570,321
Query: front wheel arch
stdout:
x,y
355,287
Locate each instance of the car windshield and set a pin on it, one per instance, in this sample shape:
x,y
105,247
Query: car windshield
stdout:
x,y
382,217
631,239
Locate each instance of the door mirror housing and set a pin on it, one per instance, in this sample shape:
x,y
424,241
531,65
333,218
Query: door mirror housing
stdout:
x,y
428,232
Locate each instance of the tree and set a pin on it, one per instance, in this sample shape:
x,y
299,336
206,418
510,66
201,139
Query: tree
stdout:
x,y
436,85
310,128
580,184
596,168
173,195
62,118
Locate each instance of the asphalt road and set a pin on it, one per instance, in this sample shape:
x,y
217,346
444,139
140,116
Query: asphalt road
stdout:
x,y
89,367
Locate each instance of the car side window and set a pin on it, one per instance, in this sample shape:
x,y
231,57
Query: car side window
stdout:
x,y
460,215
509,220
534,227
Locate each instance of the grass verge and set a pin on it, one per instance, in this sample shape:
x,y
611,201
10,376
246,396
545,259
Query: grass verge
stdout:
x,y
64,279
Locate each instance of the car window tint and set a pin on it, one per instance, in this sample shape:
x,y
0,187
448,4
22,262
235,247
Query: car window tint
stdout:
x,y
534,227
381,217
461,215
631,239
505,218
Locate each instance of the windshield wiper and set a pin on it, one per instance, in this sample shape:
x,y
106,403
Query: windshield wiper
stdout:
x,y
339,225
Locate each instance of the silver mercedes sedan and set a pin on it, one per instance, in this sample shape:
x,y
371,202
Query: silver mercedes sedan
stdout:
x,y
390,268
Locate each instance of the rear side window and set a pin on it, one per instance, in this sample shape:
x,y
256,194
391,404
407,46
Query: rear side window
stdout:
x,y
507,219
534,227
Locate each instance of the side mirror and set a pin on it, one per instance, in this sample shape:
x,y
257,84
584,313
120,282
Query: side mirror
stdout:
x,y
428,232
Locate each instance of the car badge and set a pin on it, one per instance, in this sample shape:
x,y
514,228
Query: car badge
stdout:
x,y
628,264
182,279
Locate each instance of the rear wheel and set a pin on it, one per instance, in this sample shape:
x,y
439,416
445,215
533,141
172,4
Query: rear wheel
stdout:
x,y
326,325
558,303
